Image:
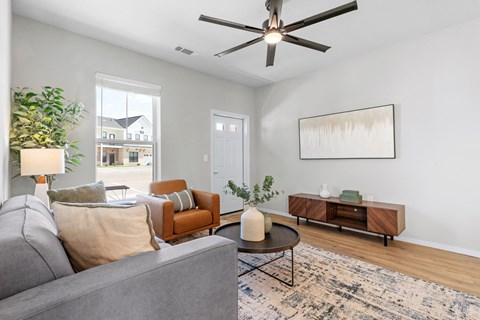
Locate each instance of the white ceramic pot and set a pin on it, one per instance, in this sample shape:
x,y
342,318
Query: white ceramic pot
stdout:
x,y
252,225
324,191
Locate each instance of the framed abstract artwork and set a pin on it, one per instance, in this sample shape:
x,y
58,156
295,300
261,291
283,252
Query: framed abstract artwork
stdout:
x,y
359,134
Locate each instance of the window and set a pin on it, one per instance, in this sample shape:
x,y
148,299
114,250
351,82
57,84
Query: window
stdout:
x,y
124,109
133,157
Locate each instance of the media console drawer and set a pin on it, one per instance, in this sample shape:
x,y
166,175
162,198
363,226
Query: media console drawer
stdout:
x,y
353,212
377,217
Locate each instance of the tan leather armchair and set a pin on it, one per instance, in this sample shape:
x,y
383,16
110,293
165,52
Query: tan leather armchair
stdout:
x,y
169,225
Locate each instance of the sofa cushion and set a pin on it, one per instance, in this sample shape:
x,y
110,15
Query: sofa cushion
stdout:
x,y
190,220
30,252
96,234
182,200
87,193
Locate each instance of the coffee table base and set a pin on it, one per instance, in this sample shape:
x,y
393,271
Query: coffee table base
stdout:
x,y
269,274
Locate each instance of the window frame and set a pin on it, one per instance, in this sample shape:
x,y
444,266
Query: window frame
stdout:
x,y
145,88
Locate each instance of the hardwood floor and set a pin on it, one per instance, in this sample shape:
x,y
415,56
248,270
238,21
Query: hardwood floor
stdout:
x,y
453,270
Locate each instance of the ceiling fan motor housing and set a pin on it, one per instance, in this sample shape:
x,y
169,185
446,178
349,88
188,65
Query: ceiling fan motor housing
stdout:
x,y
266,27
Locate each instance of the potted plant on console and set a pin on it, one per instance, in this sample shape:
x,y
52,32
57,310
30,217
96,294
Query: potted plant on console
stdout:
x,y
253,224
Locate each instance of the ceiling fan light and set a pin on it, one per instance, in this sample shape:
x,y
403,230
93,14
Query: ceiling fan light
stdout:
x,y
273,36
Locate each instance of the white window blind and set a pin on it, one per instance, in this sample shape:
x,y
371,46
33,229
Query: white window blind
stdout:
x,y
114,82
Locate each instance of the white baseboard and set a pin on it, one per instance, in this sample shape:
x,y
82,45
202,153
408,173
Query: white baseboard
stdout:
x,y
468,252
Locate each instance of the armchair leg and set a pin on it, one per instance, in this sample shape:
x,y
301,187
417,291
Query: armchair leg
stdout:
x,y
210,231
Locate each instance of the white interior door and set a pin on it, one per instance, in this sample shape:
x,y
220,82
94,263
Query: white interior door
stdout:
x,y
227,159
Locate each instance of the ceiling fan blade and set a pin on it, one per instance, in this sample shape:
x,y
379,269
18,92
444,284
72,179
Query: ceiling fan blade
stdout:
x,y
322,16
271,54
275,12
241,46
305,43
229,24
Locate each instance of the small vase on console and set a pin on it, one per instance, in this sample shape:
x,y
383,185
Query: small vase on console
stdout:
x,y
252,225
325,191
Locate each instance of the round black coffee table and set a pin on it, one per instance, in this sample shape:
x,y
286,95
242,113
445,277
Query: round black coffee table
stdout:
x,y
279,239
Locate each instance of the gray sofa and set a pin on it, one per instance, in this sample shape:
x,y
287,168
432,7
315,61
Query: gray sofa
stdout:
x,y
194,280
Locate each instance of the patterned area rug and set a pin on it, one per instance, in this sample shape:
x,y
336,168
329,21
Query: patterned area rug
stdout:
x,y
332,286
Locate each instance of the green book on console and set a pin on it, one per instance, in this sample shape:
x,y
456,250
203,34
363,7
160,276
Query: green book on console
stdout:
x,y
350,193
349,198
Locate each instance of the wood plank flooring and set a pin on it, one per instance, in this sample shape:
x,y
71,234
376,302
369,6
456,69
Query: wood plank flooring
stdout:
x,y
453,270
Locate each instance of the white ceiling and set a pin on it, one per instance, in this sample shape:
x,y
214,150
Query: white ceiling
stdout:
x,y
155,27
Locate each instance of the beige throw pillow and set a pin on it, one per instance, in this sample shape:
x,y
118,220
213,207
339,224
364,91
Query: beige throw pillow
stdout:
x,y
95,234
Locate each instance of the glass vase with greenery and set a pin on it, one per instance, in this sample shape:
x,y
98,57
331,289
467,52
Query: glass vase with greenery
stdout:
x,y
43,120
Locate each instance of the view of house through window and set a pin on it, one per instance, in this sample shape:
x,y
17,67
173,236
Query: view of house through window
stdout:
x,y
125,138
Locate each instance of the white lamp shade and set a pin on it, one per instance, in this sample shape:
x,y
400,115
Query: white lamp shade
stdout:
x,y
42,161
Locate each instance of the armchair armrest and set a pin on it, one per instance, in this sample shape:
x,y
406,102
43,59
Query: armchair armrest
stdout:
x,y
194,280
162,214
208,201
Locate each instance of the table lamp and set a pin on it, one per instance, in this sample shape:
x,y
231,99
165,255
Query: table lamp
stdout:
x,y
42,162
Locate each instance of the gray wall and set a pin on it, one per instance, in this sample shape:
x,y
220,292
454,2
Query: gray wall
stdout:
x,y
5,45
44,55
434,83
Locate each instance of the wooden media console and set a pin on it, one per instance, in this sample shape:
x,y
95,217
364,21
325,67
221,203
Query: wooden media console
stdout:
x,y
376,217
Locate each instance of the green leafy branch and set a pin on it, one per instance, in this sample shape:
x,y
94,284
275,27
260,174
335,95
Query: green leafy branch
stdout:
x,y
257,194
43,120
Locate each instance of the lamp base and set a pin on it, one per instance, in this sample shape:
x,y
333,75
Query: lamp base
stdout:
x,y
41,193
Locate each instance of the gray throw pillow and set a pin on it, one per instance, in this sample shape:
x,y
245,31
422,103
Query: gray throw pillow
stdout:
x,y
87,193
182,200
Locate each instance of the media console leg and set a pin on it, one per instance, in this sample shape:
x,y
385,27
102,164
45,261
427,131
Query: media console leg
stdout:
x,y
307,220
339,228
298,221
385,240
391,237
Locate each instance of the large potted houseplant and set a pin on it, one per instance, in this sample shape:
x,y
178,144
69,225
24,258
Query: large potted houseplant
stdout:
x,y
43,120
252,222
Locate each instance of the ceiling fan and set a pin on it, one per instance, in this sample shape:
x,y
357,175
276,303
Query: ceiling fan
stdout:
x,y
273,31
